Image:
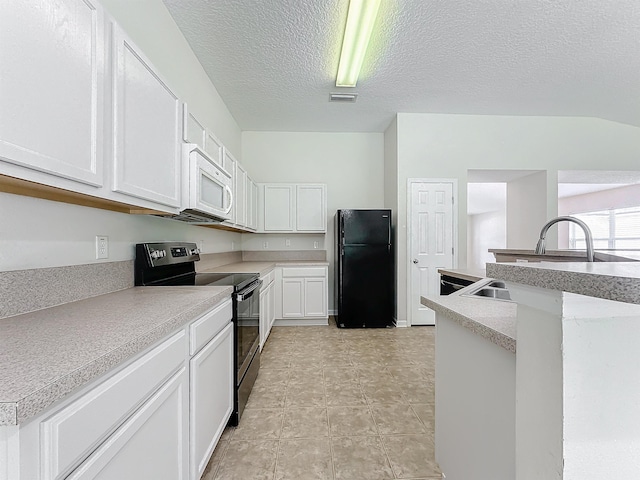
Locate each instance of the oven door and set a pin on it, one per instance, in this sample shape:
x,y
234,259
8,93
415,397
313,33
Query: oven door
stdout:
x,y
247,326
209,186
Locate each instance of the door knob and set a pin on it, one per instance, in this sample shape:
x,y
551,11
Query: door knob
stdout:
x,y
415,260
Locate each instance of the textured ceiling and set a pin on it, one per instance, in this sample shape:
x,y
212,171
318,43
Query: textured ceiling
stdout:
x,y
274,61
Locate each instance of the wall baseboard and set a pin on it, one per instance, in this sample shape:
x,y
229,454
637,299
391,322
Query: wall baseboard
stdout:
x,y
300,322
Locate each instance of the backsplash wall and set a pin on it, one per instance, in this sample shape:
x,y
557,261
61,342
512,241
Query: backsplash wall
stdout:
x,y
36,233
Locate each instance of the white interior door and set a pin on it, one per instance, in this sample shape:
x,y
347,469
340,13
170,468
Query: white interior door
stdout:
x,y
431,243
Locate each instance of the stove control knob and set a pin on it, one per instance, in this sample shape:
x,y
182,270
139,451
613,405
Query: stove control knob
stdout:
x,y
163,253
195,251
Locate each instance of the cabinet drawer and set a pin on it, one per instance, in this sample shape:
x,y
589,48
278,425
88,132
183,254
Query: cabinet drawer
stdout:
x,y
72,433
304,272
208,326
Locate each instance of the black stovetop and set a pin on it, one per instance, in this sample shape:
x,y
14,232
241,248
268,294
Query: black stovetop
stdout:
x,y
238,281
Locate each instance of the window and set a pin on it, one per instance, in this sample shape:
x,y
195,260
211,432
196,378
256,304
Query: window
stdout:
x,y
612,229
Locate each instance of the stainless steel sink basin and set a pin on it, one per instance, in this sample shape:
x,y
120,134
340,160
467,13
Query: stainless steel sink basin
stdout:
x,y
494,289
499,293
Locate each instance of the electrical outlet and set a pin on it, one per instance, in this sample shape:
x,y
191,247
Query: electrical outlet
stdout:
x,y
201,245
102,247
265,245
315,244
287,242
233,245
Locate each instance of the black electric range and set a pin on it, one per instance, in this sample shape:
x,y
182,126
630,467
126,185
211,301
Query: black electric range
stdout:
x,y
173,264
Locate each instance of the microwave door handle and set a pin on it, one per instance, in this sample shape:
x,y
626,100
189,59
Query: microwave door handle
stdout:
x,y
228,189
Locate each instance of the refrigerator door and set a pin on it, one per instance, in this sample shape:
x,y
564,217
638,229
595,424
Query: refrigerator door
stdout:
x,y
365,296
365,227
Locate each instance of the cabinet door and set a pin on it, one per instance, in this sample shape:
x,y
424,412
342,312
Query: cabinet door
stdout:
x,y
152,443
52,87
254,197
146,128
278,208
272,305
252,204
311,209
214,148
211,397
192,130
315,297
292,297
241,195
264,316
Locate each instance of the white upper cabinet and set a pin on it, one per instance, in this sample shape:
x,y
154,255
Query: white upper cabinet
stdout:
x,y
241,195
214,148
296,208
146,127
252,204
277,207
192,130
311,208
51,90
254,201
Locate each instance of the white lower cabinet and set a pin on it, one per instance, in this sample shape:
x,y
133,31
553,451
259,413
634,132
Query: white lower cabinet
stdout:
x,y
292,297
303,294
152,443
158,417
211,397
267,306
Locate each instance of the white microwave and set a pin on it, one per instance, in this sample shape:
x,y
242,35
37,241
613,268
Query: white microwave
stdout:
x,y
206,188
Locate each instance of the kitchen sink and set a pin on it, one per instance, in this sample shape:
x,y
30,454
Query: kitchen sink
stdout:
x,y
493,289
498,293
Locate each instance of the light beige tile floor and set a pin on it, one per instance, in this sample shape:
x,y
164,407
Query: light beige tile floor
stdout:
x,y
333,404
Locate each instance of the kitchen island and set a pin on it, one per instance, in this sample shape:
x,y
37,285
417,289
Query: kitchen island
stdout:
x,y
475,385
576,390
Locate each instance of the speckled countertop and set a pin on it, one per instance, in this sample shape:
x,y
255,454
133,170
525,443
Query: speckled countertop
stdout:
x,y
48,354
465,274
492,319
263,267
619,281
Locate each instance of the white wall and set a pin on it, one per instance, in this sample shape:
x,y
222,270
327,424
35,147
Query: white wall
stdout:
x,y
351,164
37,233
526,210
445,146
485,231
391,187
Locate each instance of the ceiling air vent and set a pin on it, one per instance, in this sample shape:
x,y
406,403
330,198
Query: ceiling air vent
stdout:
x,y
343,97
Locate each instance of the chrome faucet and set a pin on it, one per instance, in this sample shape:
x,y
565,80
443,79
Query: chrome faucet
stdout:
x,y
540,248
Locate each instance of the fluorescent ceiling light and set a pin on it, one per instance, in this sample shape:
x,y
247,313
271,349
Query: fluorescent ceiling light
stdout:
x,y
360,20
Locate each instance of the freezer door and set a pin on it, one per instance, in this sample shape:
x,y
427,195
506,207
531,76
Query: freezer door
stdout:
x,y
366,287
368,227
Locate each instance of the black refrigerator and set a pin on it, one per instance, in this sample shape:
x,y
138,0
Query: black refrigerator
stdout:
x,y
364,269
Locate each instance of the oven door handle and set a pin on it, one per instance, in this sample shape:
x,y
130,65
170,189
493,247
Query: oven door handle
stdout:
x,y
249,291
